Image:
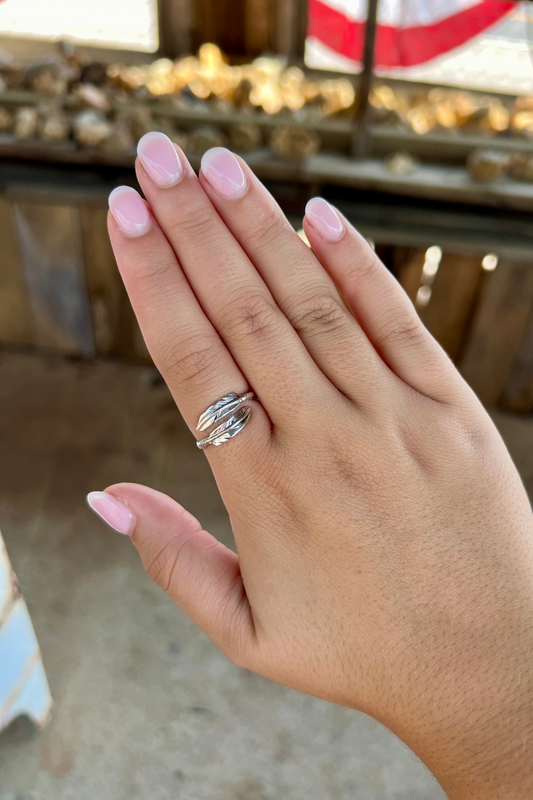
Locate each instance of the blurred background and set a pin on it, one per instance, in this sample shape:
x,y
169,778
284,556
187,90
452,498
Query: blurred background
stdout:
x,y
414,117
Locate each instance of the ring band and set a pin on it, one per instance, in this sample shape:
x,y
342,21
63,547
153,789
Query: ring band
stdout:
x,y
228,406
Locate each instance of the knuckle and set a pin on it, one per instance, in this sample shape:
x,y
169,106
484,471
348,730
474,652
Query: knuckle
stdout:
x,y
406,329
230,638
476,433
266,228
152,280
252,315
193,360
348,465
162,566
363,264
319,312
192,222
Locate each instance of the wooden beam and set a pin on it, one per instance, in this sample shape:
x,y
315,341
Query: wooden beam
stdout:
x,y
30,49
451,304
517,395
16,318
407,267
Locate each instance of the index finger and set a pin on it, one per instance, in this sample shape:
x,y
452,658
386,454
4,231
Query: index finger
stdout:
x,y
184,345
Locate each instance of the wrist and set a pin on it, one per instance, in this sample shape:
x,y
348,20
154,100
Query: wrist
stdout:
x,y
489,758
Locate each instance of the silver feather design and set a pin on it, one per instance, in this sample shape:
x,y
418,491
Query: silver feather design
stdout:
x,y
230,428
222,408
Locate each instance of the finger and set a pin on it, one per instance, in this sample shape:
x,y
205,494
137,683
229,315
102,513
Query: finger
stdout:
x,y
200,574
227,285
379,303
183,343
298,282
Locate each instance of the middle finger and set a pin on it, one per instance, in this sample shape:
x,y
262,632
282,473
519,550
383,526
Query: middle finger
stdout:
x,y
299,284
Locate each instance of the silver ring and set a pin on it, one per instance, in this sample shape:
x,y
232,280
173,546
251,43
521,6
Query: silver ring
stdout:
x,y
228,406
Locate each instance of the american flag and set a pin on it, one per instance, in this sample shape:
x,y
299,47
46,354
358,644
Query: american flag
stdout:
x,y
410,32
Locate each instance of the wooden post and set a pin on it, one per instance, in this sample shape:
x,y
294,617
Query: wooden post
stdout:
x,y
174,21
453,296
361,142
498,329
16,318
518,391
291,28
260,26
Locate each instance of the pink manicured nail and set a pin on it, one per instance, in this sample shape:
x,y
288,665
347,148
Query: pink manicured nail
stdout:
x,y
324,219
158,156
130,211
116,513
224,173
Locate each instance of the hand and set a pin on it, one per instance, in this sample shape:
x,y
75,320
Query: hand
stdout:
x,y
385,541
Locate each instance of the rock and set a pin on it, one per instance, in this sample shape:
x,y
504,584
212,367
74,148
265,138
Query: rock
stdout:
x,y
48,75
26,122
91,128
164,125
522,123
92,96
295,143
246,137
120,140
401,163
487,165
7,120
139,121
521,168
6,61
94,73
339,95
205,138
53,125
46,82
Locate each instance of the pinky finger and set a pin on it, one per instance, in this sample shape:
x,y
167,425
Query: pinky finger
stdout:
x,y
380,304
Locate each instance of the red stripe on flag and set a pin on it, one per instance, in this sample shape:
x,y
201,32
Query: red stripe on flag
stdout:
x,y
403,47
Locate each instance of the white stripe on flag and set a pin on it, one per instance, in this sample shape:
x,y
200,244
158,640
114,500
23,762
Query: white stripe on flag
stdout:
x,y
403,13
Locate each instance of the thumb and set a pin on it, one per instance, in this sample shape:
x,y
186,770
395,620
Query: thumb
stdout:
x,y
198,572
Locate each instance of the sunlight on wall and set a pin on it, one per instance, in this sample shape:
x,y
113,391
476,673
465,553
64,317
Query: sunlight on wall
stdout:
x,y
129,24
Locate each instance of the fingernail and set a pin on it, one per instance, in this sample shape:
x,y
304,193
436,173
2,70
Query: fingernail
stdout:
x,y
159,158
224,173
324,219
113,511
130,211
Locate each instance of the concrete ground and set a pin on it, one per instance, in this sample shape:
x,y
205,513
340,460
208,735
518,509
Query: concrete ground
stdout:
x,y
146,708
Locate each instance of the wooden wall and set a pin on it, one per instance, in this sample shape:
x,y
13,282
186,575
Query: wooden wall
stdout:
x,y
245,28
59,284
482,318
60,290
250,27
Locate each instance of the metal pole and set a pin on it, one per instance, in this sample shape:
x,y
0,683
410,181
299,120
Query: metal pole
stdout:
x,y
361,142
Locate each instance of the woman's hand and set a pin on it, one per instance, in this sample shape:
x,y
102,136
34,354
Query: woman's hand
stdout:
x,y
385,541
